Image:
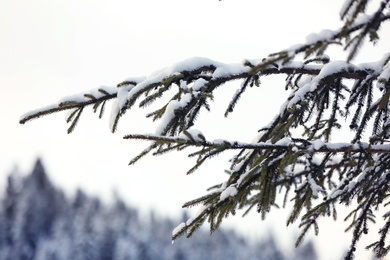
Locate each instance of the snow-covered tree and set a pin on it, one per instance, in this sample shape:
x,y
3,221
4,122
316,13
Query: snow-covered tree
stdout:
x,y
294,151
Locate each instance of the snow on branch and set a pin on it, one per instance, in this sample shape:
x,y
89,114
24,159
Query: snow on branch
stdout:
x,y
204,74
75,103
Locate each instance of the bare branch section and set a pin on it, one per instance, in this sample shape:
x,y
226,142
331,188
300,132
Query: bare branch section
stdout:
x,y
293,155
317,147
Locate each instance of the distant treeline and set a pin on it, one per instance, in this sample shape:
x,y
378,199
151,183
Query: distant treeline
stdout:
x,y
38,222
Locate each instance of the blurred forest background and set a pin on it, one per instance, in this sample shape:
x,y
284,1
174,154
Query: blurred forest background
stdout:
x,y
39,222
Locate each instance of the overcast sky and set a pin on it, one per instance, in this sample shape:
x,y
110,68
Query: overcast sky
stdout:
x,y
50,49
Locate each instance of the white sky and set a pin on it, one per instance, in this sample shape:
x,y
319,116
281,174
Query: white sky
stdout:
x,y
50,49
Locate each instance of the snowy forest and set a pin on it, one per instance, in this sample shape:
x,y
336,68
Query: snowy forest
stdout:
x,y
38,221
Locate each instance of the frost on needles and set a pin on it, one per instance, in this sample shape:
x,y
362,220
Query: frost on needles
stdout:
x,y
292,156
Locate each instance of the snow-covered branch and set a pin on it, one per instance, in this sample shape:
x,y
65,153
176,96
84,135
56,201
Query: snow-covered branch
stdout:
x,y
316,146
294,151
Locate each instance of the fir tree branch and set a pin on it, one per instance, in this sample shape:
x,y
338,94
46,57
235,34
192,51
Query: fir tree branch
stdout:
x,y
64,106
276,161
